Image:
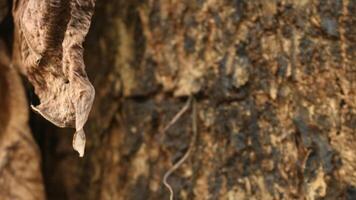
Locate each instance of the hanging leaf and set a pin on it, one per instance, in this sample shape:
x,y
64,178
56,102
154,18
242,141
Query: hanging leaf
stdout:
x,y
49,51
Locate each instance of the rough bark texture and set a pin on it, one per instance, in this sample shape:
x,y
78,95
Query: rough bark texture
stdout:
x,y
274,88
274,83
20,171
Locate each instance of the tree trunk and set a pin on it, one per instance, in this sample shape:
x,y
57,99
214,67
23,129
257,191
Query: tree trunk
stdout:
x,y
20,171
252,99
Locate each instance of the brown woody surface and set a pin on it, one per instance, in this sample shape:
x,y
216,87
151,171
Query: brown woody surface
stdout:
x,y
20,170
274,84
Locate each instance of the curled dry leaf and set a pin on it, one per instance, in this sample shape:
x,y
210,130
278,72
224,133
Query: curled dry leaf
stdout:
x,y
48,49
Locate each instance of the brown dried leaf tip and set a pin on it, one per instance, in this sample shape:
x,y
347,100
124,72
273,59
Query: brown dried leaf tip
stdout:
x,y
49,37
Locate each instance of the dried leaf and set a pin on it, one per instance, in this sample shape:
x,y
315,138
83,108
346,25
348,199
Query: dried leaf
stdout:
x,y
49,37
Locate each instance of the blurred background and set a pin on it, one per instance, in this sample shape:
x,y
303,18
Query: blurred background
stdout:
x,y
268,85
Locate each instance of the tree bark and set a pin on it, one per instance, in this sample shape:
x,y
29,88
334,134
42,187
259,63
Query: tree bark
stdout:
x,y
20,170
270,87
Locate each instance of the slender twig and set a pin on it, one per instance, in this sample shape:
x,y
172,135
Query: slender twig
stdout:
x,y
192,142
178,115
